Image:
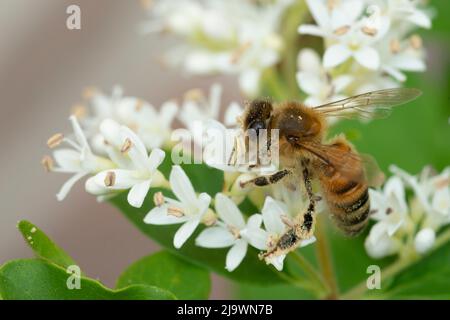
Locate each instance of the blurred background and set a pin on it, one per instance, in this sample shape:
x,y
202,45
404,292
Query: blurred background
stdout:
x,y
43,70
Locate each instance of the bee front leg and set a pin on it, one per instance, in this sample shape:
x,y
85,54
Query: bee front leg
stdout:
x,y
262,181
308,217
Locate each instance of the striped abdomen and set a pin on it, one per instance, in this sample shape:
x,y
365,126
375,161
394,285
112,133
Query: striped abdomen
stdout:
x,y
347,199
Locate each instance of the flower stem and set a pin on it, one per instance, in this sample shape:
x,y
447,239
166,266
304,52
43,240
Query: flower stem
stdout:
x,y
308,268
396,267
324,258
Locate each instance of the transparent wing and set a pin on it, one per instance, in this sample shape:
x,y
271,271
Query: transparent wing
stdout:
x,y
370,105
348,163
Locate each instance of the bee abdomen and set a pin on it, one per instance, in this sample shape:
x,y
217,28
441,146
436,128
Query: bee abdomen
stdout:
x,y
350,206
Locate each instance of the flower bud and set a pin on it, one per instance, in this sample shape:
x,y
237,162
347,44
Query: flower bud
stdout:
x,y
424,240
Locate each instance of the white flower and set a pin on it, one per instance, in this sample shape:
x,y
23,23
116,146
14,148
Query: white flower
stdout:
x,y
189,209
424,240
232,231
315,81
138,174
230,37
406,10
154,127
78,160
272,212
391,211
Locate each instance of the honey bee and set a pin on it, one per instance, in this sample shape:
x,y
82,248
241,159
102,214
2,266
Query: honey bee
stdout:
x,y
305,156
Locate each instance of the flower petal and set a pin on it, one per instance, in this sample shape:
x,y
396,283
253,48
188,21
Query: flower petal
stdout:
x,y
235,255
184,232
233,111
155,159
271,213
181,186
68,160
159,216
68,185
367,57
335,55
228,211
137,193
215,237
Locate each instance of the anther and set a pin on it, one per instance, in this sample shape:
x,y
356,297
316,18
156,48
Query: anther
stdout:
x,y
110,179
415,41
174,211
47,163
55,140
126,146
369,31
341,30
237,54
394,46
158,199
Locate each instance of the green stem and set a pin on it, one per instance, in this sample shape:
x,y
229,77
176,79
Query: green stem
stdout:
x,y
398,266
324,258
309,269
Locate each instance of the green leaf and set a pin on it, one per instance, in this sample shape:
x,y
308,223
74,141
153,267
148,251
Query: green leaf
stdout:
x,y
429,278
43,246
204,179
37,279
165,270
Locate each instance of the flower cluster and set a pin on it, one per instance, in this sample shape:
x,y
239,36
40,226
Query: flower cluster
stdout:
x,y
229,37
403,226
368,46
112,147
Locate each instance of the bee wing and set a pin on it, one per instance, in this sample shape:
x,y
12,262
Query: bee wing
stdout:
x,y
370,105
346,162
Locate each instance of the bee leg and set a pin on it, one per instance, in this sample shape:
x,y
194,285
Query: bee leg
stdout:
x,y
267,180
308,216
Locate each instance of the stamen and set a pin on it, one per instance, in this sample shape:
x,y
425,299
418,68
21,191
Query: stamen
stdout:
x,y
194,95
126,146
147,4
79,111
110,179
442,183
341,30
139,105
389,211
234,231
394,46
209,220
158,199
287,221
331,4
176,212
55,140
47,163
237,54
369,31
415,41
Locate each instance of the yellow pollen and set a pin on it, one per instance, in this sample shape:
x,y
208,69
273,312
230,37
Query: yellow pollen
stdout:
x,y
174,211
237,54
126,146
415,41
110,179
158,199
369,31
55,140
394,46
47,163
341,30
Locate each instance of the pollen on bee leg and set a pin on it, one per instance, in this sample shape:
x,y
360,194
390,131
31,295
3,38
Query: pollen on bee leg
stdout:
x,y
110,179
394,46
55,140
415,41
126,146
47,163
369,31
176,212
158,199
